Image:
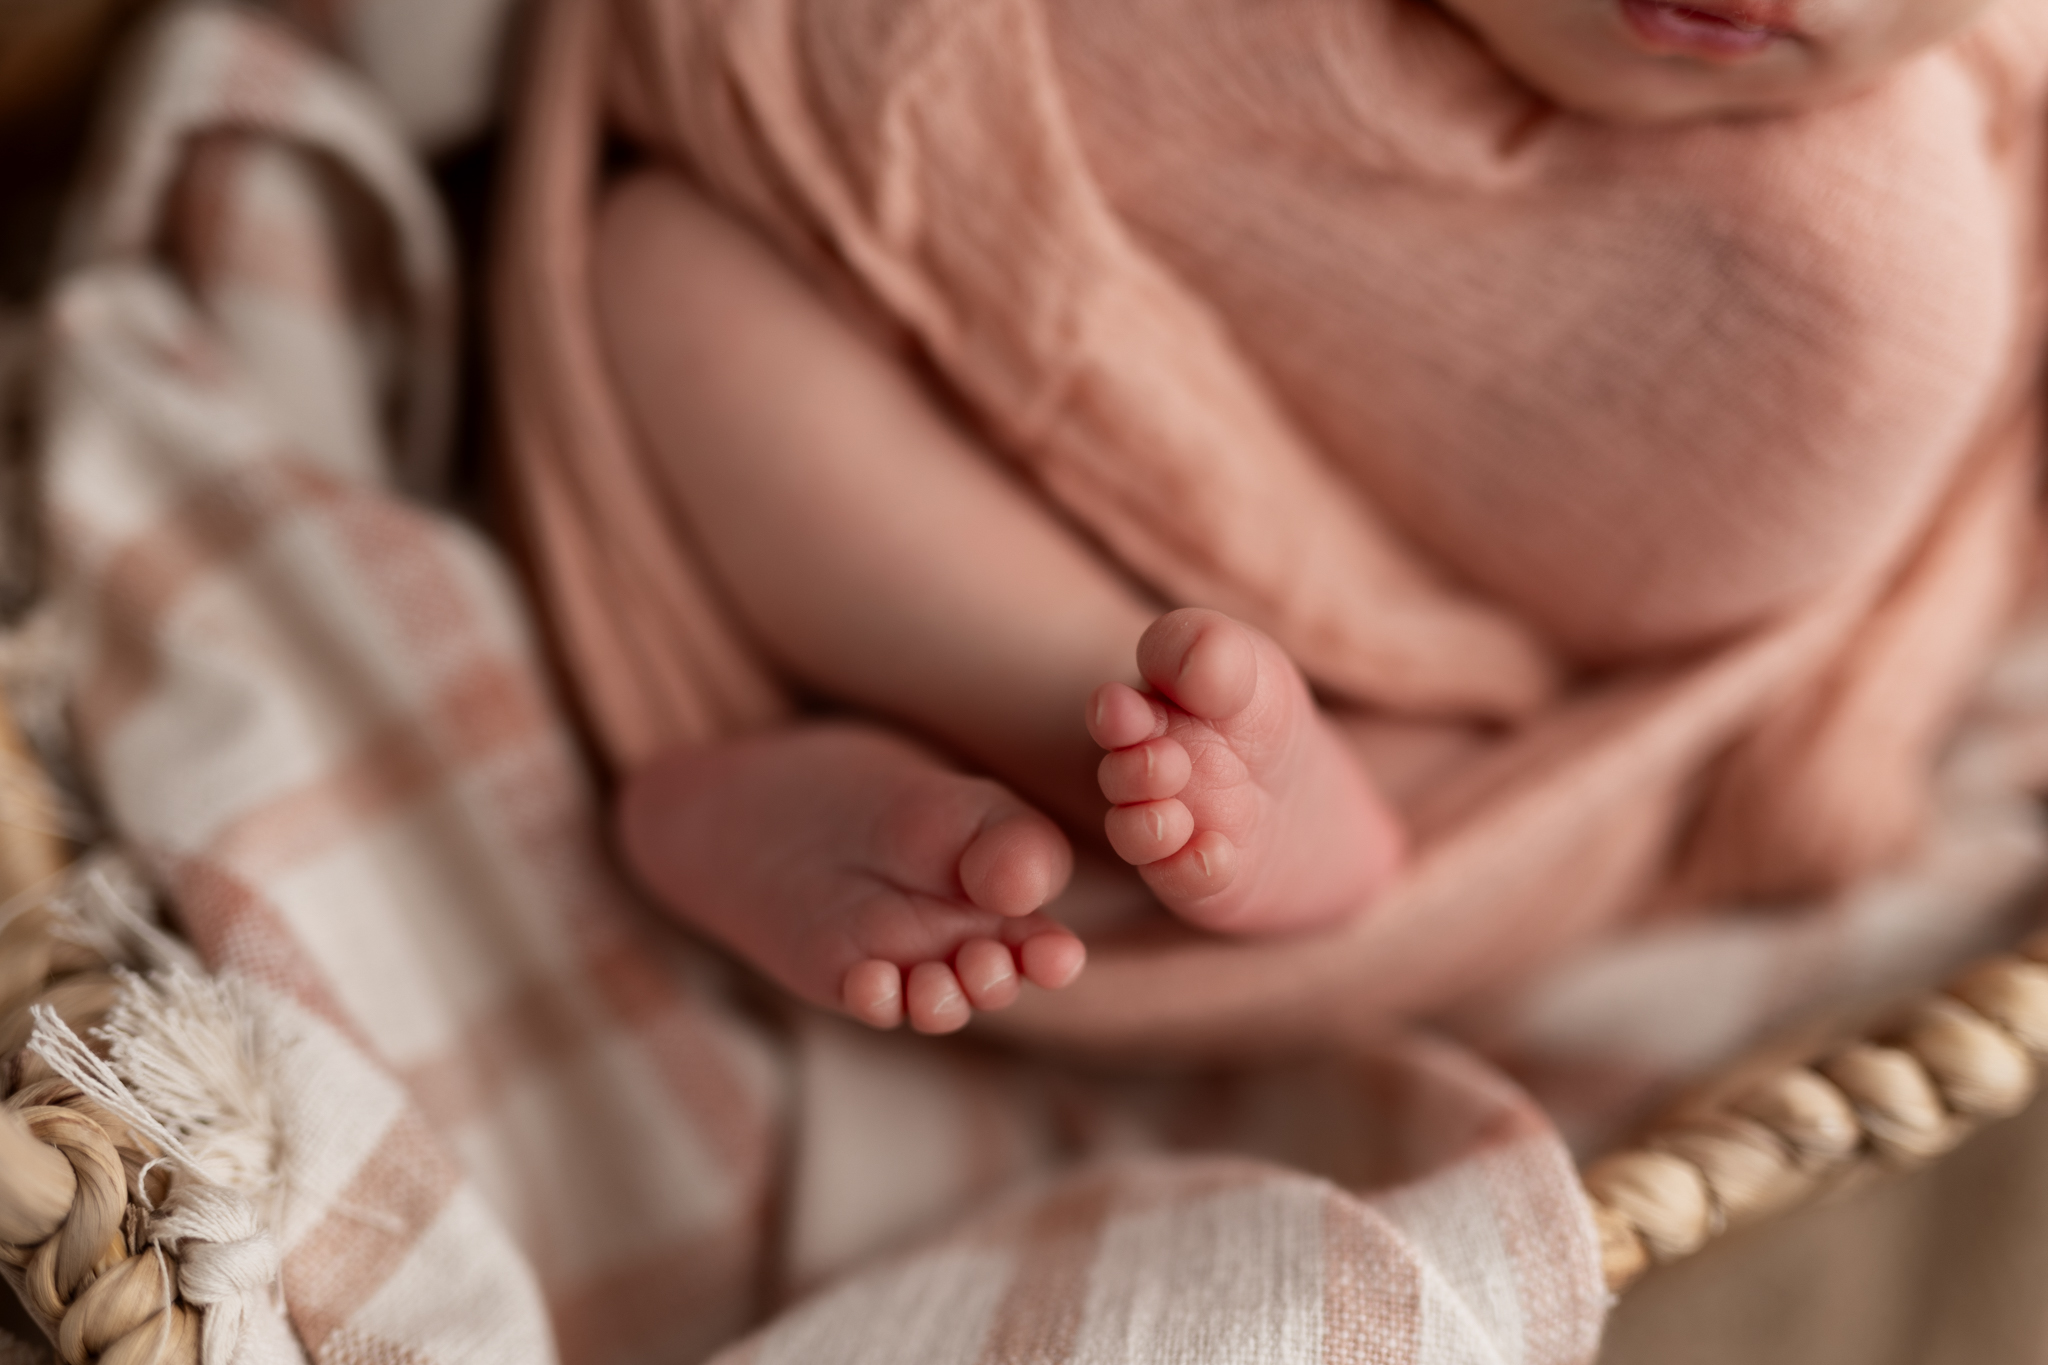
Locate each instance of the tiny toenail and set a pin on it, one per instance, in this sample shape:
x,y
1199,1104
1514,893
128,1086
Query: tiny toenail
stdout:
x,y
1156,823
1203,859
1150,759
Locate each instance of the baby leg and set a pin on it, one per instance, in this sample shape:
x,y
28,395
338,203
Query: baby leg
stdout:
x,y
867,543
856,870
884,558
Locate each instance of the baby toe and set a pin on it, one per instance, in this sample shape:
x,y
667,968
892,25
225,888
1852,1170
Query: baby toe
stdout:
x,y
987,973
1203,661
1149,830
1052,959
934,998
1017,864
873,993
1151,771
1120,715
1205,866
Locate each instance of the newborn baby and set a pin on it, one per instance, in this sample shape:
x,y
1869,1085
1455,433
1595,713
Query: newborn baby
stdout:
x,y
1014,669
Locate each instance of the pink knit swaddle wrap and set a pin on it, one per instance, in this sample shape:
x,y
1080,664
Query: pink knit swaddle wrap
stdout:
x,y
1669,485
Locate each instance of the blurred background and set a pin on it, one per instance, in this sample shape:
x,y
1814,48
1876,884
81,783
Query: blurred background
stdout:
x,y
439,68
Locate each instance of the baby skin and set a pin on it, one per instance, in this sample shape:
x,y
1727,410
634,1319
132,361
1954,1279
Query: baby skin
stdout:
x,y
891,565
1239,804
857,870
860,872
887,561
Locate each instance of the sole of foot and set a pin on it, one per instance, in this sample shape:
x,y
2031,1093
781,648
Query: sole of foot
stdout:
x,y
856,870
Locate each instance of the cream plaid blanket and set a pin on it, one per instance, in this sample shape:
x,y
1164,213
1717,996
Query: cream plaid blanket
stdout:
x,y
524,1118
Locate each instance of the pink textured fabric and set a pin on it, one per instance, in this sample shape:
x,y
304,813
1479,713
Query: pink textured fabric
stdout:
x,y
1683,477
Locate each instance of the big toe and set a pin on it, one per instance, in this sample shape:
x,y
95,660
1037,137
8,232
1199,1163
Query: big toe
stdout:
x,y
1016,863
1203,661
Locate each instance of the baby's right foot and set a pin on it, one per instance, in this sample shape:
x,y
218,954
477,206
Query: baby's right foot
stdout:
x,y
1240,804
856,870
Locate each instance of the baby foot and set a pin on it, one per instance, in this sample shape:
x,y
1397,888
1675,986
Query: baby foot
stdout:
x,y
857,871
1240,804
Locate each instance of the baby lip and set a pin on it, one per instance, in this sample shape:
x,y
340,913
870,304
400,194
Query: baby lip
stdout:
x,y
1713,28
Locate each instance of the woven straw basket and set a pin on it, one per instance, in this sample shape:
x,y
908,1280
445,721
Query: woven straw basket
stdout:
x,y
74,1177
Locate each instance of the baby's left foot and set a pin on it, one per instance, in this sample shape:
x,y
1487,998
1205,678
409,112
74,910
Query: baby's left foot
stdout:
x,y
1241,805
856,869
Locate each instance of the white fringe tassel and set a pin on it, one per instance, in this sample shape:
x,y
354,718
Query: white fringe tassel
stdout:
x,y
185,1069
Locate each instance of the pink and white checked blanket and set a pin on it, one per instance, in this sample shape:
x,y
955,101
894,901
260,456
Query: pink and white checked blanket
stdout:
x,y
535,1120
